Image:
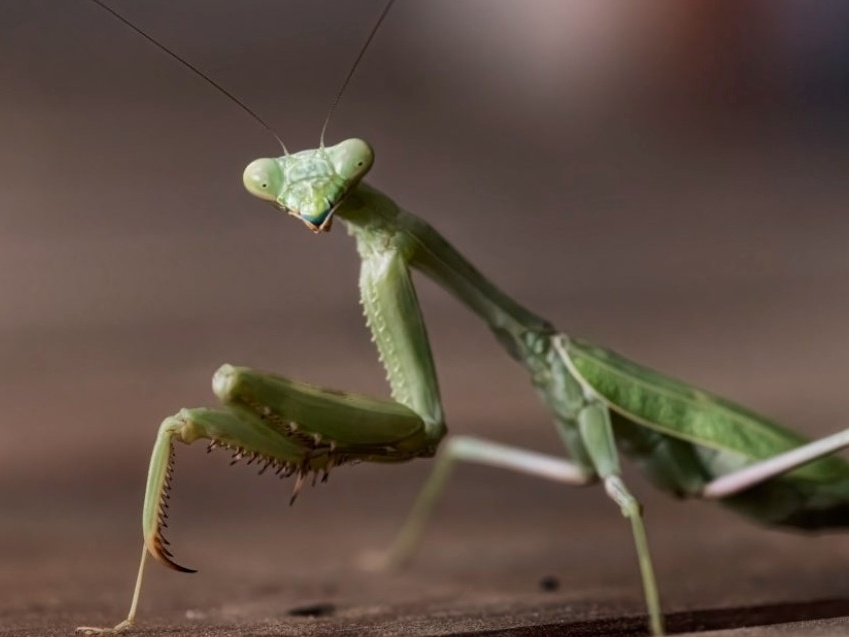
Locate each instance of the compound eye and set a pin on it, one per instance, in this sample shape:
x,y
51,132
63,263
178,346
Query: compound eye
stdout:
x,y
351,158
262,178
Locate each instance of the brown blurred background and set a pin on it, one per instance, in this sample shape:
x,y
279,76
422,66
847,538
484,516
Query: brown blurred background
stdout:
x,y
664,178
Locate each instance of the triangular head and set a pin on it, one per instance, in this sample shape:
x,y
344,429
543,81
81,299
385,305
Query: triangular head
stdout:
x,y
310,184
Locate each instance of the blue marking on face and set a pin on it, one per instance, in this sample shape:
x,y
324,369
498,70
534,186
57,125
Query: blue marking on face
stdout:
x,y
318,219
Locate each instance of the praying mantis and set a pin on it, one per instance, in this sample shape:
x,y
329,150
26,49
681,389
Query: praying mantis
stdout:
x,y
688,442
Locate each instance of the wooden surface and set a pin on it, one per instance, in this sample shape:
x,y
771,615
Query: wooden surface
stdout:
x,y
709,243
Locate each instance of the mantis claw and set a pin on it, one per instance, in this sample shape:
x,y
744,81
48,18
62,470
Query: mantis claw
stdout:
x,y
158,550
156,501
293,428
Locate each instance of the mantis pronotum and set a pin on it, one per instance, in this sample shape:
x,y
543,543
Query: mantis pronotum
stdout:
x,y
689,443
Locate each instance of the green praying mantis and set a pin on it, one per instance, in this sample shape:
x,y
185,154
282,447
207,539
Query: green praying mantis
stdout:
x,y
687,442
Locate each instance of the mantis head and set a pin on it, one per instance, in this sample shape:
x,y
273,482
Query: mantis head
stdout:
x,y
310,184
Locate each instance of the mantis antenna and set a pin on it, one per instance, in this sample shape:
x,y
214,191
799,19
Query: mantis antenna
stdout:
x,y
197,71
353,68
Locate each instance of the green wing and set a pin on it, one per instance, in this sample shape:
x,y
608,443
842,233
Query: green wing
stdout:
x,y
679,410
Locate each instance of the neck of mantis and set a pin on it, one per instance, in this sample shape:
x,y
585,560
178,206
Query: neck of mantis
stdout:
x,y
373,217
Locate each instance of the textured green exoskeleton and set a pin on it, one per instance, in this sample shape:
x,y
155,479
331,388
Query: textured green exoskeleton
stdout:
x,y
687,441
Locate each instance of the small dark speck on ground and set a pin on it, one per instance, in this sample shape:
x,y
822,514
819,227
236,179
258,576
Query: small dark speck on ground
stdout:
x,y
549,583
313,610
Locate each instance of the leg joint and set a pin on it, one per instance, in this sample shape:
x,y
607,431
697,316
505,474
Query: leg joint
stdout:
x,y
619,493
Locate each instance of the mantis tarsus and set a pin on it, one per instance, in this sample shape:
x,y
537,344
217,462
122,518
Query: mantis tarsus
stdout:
x,y
688,442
